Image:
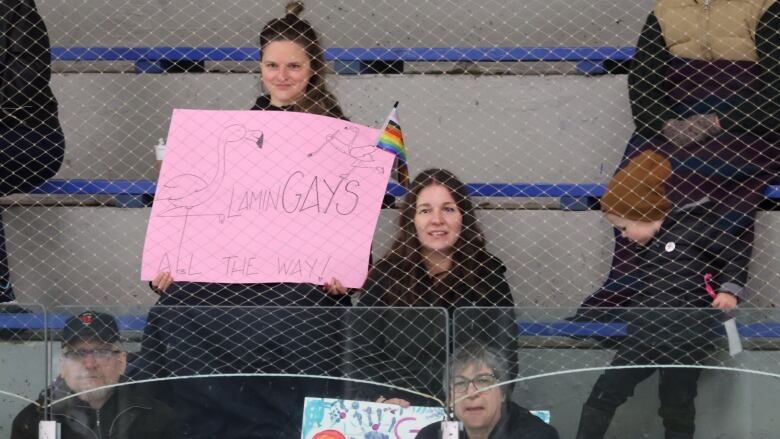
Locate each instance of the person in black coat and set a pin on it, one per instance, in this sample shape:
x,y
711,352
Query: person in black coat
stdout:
x,y
485,412
91,397
32,145
693,265
437,264
282,329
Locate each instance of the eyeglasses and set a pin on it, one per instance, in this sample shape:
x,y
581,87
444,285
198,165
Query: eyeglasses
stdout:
x,y
482,381
98,354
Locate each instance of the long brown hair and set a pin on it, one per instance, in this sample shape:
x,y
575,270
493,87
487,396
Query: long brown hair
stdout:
x,y
317,99
404,261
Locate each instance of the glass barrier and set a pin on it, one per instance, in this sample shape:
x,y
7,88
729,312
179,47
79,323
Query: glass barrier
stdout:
x,y
23,361
239,371
296,372
578,365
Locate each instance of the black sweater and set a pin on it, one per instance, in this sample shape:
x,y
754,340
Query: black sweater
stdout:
x,y
406,346
515,423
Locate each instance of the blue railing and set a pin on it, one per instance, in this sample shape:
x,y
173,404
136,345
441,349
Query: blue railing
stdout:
x,y
425,54
517,190
147,59
34,321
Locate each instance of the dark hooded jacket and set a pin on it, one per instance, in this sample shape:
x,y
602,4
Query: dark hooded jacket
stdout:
x,y
129,413
671,310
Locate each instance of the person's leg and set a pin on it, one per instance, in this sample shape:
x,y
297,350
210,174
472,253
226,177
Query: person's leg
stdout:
x,y
27,159
611,390
677,389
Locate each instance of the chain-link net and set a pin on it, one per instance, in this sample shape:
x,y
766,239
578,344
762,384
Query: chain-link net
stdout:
x,y
568,360
663,115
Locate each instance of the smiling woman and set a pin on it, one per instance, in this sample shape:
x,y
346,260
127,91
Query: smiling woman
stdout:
x,y
293,79
293,69
439,258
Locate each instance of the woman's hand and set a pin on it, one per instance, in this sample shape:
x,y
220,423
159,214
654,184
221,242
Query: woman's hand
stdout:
x,y
394,401
161,282
334,288
724,301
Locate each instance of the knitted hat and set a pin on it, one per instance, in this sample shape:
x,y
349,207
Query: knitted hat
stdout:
x,y
637,192
90,326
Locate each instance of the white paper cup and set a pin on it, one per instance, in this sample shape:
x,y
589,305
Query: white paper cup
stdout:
x,y
159,151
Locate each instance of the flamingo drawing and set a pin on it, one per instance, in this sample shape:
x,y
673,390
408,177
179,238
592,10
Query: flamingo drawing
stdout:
x,y
343,141
187,191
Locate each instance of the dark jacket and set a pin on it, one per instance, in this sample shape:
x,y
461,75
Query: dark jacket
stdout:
x,y
32,145
407,346
515,423
693,240
672,308
260,329
129,413
264,103
25,63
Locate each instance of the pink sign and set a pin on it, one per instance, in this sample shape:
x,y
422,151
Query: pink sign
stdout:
x,y
261,196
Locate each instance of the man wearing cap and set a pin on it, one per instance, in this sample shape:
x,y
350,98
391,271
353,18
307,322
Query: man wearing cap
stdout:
x,y
84,400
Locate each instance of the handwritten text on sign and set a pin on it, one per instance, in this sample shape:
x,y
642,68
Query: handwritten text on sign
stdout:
x,y
260,196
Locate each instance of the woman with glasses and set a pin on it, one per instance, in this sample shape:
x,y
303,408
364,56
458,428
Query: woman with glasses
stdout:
x,y
482,409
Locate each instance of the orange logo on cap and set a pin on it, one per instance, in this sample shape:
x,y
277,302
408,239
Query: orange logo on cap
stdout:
x,y
86,319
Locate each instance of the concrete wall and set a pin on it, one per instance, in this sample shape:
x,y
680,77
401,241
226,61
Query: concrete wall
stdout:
x,y
484,128
348,23
91,255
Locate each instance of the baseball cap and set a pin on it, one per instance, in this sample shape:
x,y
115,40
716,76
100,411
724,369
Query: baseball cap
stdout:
x,y
90,325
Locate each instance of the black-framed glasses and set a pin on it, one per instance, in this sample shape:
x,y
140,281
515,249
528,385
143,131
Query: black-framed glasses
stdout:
x,y
482,381
98,354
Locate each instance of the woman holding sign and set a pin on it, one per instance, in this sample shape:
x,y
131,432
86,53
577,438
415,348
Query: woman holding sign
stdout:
x,y
293,72
213,329
438,259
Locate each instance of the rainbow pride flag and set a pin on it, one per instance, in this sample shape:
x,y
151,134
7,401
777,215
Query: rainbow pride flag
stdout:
x,y
391,139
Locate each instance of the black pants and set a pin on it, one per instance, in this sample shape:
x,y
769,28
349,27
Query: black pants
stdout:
x,y
677,389
28,157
